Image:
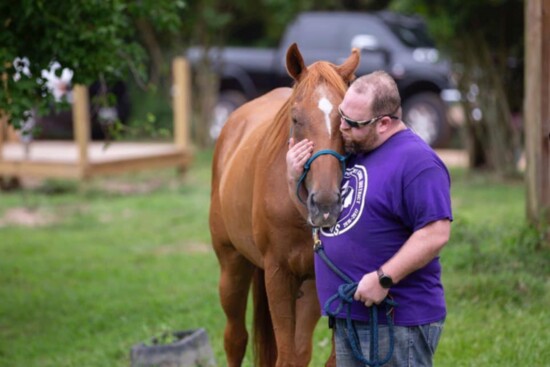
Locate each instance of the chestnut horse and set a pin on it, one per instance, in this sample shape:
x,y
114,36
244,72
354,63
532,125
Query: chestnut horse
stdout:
x,y
256,227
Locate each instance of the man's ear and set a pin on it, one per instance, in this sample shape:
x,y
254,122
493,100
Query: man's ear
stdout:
x,y
385,123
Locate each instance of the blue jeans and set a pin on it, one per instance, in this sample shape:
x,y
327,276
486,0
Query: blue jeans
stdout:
x,y
414,346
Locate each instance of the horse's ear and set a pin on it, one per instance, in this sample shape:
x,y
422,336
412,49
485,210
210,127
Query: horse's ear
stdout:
x,y
347,69
295,62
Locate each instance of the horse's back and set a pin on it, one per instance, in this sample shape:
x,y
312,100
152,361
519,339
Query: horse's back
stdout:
x,y
248,118
234,168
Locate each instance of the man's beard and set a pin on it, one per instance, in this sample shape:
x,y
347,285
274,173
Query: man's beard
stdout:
x,y
352,147
355,147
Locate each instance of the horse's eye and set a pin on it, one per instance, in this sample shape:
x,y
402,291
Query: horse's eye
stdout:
x,y
294,120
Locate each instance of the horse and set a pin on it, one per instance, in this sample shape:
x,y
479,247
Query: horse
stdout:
x,y
258,233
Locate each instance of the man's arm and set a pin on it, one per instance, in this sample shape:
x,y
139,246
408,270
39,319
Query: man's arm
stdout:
x,y
296,157
421,248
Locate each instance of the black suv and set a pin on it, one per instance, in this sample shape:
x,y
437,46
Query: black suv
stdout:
x,y
393,42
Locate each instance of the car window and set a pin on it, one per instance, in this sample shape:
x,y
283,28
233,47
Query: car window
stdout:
x,y
318,33
413,37
367,25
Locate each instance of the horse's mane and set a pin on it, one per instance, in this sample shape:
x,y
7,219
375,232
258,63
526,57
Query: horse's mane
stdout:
x,y
318,73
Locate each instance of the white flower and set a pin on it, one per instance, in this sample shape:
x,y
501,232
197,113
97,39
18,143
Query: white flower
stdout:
x,y
21,66
58,86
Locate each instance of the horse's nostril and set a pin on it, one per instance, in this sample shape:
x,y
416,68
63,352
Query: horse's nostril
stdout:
x,y
324,205
312,199
326,201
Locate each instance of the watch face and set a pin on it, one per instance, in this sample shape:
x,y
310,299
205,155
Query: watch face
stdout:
x,y
386,281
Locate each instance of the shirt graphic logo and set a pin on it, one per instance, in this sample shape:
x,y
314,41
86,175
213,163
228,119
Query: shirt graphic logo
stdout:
x,y
353,191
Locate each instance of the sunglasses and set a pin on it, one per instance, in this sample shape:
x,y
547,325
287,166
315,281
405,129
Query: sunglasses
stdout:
x,y
357,124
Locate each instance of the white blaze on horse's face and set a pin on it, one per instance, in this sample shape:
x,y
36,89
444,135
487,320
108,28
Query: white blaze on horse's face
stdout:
x,y
326,107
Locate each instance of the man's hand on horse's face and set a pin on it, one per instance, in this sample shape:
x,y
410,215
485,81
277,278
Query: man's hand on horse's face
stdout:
x,y
296,157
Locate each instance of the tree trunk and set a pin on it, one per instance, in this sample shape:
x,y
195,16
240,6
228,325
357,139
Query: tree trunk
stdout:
x,y
537,115
488,129
206,83
206,97
153,47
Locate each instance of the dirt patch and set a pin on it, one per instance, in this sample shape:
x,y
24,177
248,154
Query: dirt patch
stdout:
x,y
109,217
109,185
26,217
453,157
128,188
190,247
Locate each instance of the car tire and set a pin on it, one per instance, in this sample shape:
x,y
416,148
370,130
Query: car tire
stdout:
x,y
425,114
228,101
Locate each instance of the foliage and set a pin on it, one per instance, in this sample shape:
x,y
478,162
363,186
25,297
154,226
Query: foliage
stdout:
x,y
497,25
485,39
166,336
96,39
262,23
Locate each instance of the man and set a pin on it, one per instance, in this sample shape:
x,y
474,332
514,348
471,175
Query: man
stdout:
x,y
395,219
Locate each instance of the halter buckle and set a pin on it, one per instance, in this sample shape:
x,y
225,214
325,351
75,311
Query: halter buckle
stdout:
x,y
316,240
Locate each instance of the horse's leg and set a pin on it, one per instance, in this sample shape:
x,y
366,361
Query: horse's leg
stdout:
x,y
282,288
331,361
308,313
235,278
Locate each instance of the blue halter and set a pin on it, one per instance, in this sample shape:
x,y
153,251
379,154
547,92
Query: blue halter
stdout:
x,y
307,166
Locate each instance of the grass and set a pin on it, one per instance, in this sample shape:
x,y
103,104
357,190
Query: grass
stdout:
x,y
497,282
119,261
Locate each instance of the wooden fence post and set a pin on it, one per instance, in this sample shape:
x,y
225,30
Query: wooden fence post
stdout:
x,y
81,127
181,101
537,113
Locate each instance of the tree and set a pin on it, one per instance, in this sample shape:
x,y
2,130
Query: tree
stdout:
x,y
485,40
95,39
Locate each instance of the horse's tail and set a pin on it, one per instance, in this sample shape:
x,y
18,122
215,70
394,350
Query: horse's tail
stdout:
x,y
265,346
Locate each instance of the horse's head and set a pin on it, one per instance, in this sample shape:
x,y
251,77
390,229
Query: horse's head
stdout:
x,y
318,91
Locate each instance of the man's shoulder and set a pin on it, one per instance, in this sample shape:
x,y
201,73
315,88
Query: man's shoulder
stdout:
x,y
405,145
412,147
404,151
416,156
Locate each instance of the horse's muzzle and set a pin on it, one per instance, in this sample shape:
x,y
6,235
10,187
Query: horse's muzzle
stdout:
x,y
323,208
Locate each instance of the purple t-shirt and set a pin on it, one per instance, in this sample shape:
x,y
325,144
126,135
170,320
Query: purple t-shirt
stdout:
x,y
388,194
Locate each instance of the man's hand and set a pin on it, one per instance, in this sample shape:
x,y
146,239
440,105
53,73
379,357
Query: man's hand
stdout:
x,y
296,157
369,291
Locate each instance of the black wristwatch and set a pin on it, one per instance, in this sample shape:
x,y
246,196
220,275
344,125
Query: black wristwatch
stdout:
x,y
385,280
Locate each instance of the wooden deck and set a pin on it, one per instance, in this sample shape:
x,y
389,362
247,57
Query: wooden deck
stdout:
x,y
60,159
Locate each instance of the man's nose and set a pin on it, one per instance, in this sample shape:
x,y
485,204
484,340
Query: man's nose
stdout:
x,y
344,125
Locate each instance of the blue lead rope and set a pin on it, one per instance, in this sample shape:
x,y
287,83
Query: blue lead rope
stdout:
x,y
345,297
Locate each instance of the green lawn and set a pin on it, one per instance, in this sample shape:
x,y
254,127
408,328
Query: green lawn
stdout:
x,y
115,262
